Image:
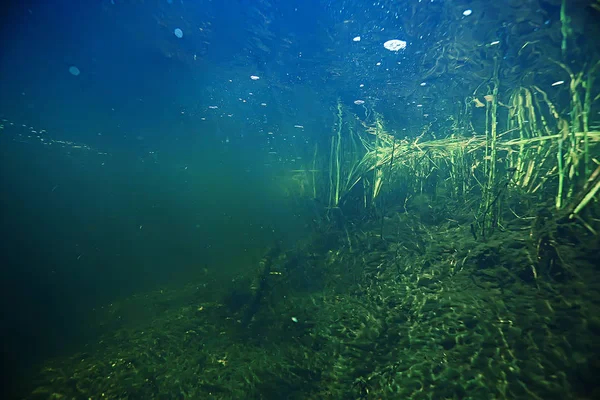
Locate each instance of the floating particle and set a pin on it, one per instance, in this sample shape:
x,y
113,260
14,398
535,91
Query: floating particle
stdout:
x,y
395,45
359,102
423,83
73,70
178,32
263,104
213,107
378,64
254,77
361,85
495,42
558,83
299,126
356,39
466,13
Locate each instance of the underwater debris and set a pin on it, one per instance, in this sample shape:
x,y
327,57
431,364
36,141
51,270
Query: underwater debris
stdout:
x,y
395,45
73,70
478,103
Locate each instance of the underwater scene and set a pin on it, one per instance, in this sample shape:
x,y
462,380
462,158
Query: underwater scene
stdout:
x,y
300,199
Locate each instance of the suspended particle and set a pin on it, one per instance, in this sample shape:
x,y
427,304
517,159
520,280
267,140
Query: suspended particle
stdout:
x,y
395,45
73,70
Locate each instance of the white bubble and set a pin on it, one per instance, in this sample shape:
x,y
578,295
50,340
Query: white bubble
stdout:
x,y
73,70
178,32
466,13
395,45
356,39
